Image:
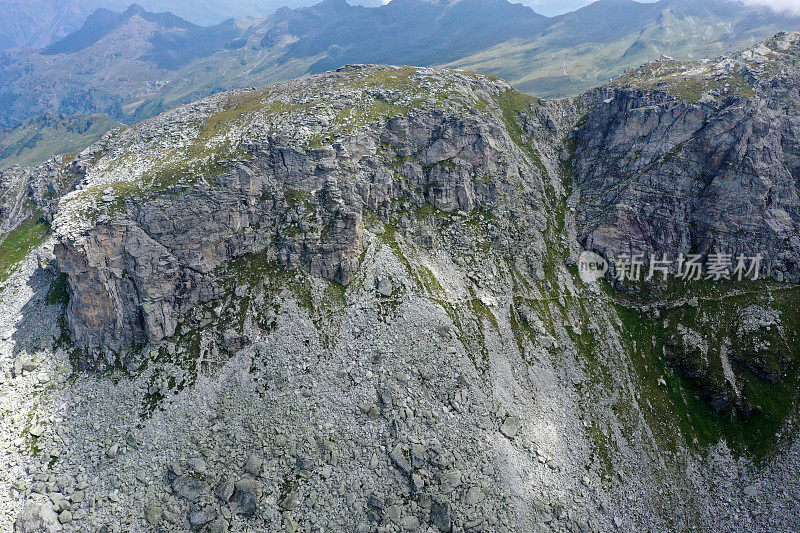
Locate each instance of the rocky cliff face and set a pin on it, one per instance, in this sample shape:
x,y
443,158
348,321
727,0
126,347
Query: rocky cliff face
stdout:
x,y
350,302
25,192
680,157
673,158
290,172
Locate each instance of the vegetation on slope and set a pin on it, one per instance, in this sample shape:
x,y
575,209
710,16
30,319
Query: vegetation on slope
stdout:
x,y
17,244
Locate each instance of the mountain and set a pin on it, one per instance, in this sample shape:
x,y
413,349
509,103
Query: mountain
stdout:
x,y
114,62
136,64
39,23
419,31
36,140
598,42
358,301
103,22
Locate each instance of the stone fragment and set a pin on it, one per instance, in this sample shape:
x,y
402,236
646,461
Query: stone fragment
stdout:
x,y
385,287
37,518
510,427
188,487
224,490
153,514
441,516
254,464
399,456
201,517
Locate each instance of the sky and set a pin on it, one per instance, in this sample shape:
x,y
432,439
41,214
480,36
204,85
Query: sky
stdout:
x,y
557,7
554,7
793,6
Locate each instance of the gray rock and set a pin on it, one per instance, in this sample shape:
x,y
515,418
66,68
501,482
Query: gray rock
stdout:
x,y
188,487
246,500
410,523
305,463
399,456
224,490
291,501
153,514
394,513
634,137
474,496
254,464
441,516
385,287
202,517
510,427
37,518
196,465
220,525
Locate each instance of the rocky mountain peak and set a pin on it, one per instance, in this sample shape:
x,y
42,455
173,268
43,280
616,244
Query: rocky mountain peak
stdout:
x,y
297,164
356,301
103,23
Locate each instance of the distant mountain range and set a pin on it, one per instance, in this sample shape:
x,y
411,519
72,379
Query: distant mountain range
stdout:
x,y
135,64
39,23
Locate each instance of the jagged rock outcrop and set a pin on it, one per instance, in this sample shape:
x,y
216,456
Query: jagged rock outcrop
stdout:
x,y
679,157
289,171
351,302
25,191
672,158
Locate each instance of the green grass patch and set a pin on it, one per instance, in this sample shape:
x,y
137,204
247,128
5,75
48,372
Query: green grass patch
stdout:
x,y
58,294
675,382
512,103
18,243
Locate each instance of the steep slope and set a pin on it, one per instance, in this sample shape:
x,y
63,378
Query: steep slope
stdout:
x,y
588,47
693,135
701,158
270,144
36,140
352,301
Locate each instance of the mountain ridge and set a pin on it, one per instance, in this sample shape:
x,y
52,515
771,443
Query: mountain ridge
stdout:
x,y
354,300
164,64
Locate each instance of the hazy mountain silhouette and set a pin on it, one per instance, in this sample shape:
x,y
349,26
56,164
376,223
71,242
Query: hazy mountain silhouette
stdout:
x,y
134,64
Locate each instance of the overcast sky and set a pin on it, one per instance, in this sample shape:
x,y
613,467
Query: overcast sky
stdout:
x,y
779,5
556,7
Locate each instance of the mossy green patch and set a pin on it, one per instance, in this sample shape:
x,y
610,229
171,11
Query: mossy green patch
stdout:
x,y
58,294
689,87
512,103
18,243
678,382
